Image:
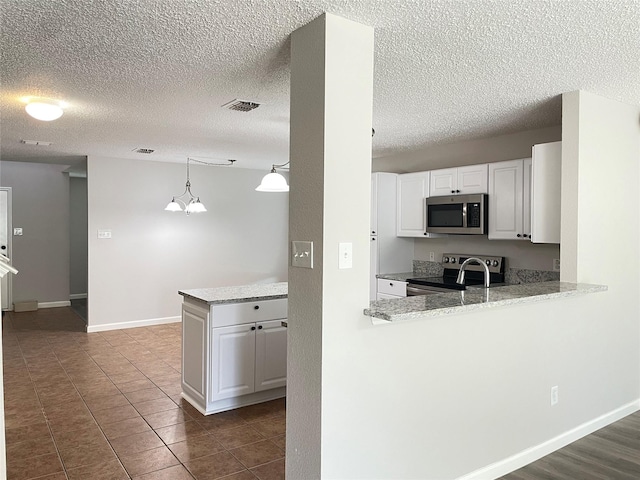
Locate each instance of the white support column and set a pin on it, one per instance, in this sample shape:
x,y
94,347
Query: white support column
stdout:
x,y
330,152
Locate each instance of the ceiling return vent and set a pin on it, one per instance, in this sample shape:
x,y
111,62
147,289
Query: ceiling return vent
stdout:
x,y
146,151
241,105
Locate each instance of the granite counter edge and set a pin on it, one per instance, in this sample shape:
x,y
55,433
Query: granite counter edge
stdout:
x,y
384,318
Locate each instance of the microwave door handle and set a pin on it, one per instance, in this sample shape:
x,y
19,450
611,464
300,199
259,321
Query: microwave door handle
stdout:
x,y
464,214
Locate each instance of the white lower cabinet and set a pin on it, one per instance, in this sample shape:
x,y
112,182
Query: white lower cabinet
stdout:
x,y
233,354
233,361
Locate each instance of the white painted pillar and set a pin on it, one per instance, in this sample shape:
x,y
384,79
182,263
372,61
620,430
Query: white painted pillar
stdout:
x,y
330,152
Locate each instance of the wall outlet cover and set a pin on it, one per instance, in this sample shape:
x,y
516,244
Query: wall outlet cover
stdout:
x,y
102,234
556,264
17,231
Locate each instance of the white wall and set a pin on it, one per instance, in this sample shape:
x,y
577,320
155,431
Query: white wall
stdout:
x,y
134,276
443,397
78,221
469,152
41,208
330,151
520,254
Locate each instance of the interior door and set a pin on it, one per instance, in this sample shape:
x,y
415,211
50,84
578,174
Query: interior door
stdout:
x,y
5,243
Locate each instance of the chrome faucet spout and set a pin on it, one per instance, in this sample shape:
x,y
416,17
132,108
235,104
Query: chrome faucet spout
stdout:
x,y
487,275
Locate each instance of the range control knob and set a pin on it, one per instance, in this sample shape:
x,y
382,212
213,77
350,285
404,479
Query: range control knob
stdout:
x,y
495,263
445,259
488,262
452,260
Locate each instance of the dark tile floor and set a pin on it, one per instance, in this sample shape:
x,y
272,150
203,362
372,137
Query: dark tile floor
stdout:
x,y
107,406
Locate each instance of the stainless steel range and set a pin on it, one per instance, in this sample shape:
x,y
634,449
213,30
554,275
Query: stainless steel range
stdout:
x,y
474,274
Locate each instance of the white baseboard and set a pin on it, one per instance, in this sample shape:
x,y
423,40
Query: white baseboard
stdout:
x,y
77,296
519,460
134,324
62,303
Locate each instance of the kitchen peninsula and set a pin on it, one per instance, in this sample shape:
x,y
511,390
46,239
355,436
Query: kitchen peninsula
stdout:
x,y
234,346
473,298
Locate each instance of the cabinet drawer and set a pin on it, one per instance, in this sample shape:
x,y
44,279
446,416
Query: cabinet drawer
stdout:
x,y
392,287
249,312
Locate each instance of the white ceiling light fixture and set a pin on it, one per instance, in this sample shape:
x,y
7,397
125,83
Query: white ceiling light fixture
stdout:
x,y
273,181
191,204
45,110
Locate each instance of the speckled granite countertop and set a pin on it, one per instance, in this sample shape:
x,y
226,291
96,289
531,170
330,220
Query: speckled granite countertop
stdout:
x,y
398,277
411,308
239,294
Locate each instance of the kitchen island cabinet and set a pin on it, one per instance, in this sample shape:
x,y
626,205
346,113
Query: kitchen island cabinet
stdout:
x,y
234,346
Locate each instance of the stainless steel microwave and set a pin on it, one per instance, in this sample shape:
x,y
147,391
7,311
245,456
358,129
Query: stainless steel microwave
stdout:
x,y
457,214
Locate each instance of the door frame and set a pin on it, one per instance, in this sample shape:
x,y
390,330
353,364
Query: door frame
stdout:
x,y
9,278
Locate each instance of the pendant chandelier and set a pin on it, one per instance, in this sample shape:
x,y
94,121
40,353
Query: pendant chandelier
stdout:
x,y
187,202
273,181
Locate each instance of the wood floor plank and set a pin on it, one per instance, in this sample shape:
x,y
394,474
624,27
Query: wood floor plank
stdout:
x,y
611,453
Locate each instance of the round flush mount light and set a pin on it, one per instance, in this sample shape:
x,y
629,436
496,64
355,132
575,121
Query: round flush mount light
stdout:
x,y
45,110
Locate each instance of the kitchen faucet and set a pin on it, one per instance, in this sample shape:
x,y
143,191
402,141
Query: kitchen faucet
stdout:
x,y
460,279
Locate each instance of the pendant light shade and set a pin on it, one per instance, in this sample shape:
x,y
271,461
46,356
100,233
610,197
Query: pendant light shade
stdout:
x,y
273,182
44,110
173,206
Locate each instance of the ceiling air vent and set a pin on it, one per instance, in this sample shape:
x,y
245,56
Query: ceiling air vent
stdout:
x,y
146,151
241,105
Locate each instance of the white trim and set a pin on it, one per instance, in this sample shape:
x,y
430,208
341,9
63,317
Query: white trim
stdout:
x,y
61,303
133,324
525,457
77,296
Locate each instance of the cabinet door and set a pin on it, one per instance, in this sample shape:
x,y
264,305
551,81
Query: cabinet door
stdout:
x,y
473,179
505,200
233,361
271,355
526,198
413,188
443,182
374,204
545,193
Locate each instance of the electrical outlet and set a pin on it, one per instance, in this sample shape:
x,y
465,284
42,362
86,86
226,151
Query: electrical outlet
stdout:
x,y
554,395
556,264
103,234
17,231
432,256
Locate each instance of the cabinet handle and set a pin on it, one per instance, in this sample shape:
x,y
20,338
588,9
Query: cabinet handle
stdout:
x,y
256,307
518,235
253,328
457,191
259,327
425,233
373,239
453,191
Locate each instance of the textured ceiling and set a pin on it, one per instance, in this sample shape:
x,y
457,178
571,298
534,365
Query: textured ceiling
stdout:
x,y
154,73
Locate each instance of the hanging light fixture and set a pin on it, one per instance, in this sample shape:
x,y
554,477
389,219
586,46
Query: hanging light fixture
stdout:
x,y
273,181
191,204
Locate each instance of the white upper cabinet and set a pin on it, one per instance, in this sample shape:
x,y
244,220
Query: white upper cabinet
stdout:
x,y
459,181
507,200
413,188
545,192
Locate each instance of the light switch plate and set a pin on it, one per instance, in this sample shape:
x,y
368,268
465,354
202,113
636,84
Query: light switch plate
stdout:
x,y
302,254
104,234
17,231
345,259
